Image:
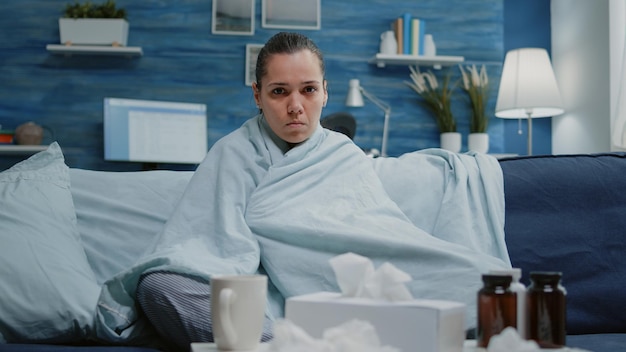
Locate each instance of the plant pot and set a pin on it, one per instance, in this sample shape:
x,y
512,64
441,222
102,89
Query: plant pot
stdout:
x,y
450,141
93,31
478,142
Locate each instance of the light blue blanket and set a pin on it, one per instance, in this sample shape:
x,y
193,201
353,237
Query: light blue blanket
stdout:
x,y
249,204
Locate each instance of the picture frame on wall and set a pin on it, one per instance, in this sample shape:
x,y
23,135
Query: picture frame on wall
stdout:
x,y
252,52
233,17
293,14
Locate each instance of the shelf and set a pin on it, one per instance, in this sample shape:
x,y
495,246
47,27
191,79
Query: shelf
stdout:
x,y
61,49
14,149
381,60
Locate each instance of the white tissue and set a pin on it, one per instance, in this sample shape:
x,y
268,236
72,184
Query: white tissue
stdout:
x,y
356,277
351,336
509,341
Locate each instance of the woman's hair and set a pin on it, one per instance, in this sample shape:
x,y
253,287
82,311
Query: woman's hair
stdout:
x,y
285,43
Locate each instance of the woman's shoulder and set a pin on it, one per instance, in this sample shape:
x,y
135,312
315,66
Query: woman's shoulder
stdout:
x,y
241,141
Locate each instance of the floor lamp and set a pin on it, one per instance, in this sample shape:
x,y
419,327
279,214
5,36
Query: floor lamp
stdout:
x,y
528,88
355,99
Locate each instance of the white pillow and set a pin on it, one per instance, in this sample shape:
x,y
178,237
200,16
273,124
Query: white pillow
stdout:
x,y
48,292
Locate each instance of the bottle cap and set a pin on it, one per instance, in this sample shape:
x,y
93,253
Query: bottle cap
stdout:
x,y
545,276
493,279
516,273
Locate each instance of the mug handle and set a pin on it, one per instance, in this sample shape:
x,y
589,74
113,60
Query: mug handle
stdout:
x,y
227,296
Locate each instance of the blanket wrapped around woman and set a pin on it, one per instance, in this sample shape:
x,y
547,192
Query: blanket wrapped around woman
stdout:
x,y
254,205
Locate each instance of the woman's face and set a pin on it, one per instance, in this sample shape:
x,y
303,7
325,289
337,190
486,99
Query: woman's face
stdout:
x,y
292,95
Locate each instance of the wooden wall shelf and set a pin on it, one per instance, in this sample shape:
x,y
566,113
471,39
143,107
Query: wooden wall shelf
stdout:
x,y
14,149
381,60
61,49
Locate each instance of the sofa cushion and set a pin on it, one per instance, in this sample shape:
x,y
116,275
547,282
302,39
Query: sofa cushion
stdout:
x,y
120,213
598,342
568,213
48,291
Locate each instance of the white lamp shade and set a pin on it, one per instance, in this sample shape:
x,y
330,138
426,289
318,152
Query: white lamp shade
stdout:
x,y
528,86
354,97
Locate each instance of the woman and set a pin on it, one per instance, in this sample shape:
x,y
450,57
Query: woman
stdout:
x,y
281,196
290,91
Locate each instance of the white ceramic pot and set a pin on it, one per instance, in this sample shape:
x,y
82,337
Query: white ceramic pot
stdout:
x,y
450,141
94,31
478,142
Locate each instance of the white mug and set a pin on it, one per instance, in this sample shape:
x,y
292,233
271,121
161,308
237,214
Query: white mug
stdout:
x,y
238,311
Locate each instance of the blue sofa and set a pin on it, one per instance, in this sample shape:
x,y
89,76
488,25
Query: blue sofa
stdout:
x,y
563,213
568,213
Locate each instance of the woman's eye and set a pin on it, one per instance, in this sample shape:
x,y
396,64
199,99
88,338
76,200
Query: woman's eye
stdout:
x,y
310,89
278,91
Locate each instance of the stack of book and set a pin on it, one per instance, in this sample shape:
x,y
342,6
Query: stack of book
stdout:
x,y
409,32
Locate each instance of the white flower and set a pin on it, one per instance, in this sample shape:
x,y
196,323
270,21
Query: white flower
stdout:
x,y
476,84
432,80
437,98
474,78
484,79
419,84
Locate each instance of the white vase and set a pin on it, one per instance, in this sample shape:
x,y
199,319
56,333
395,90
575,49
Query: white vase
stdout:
x,y
450,141
430,49
478,142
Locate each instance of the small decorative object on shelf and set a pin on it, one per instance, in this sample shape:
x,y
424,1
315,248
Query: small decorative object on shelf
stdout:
x,y
388,43
93,24
436,98
430,49
28,133
94,29
476,85
6,136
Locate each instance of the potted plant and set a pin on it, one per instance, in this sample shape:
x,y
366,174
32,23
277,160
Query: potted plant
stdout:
x,y
94,24
476,85
438,100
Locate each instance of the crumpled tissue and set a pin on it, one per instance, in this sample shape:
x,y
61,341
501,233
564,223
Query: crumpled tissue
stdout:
x,y
509,340
357,277
351,336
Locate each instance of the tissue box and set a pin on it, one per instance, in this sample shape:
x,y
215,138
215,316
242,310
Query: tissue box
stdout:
x,y
424,325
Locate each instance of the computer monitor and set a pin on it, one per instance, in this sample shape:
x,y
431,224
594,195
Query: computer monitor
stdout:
x,y
151,131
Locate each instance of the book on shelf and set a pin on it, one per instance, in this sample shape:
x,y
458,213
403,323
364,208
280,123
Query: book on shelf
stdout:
x,y
398,28
417,36
409,33
406,33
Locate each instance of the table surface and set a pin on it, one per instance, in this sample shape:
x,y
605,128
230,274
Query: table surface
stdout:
x,y
469,346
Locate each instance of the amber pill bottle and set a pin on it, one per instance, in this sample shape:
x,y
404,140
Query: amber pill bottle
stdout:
x,y
546,309
497,307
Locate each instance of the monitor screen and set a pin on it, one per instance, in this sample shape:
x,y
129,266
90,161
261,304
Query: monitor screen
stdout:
x,y
152,131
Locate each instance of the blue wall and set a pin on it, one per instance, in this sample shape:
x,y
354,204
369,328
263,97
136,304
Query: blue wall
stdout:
x,y
183,61
527,24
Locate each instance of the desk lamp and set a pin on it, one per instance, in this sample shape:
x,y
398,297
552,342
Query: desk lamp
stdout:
x,y
528,88
355,99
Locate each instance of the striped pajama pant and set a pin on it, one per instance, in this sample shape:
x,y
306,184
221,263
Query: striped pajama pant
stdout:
x,y
179,308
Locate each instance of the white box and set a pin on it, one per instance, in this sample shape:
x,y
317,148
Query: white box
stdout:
x,y
416,325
